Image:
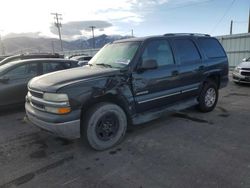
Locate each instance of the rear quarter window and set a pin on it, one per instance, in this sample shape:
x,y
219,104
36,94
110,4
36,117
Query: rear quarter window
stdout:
x,y
211,47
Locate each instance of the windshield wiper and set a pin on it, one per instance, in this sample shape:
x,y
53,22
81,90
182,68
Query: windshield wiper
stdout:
x,y
104,64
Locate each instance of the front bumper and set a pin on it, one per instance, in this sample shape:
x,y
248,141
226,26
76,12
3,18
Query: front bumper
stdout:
x,y
67,129
240,78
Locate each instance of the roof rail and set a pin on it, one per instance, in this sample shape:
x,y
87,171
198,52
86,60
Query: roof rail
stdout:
x,y
189,34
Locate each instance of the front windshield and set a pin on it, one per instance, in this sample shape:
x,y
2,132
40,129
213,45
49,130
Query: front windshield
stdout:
x,y
117,55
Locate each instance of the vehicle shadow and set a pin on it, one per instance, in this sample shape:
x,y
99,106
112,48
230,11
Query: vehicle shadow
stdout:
x,y
11,110
242,84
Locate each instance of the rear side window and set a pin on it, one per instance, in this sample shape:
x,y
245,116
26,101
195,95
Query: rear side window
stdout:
x,y
211,47
187,51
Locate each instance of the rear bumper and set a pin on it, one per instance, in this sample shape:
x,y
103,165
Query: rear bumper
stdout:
x,y
68,129
240,79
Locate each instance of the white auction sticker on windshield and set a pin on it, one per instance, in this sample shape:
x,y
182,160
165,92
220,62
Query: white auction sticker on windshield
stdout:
x,y
123,61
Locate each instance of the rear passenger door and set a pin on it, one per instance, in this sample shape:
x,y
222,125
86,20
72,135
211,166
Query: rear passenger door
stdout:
x,y
190,64
158,87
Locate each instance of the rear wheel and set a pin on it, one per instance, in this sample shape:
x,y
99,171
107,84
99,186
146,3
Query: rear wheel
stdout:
x,y
208,97
105,126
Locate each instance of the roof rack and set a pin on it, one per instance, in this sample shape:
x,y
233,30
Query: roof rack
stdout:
x,y
189,34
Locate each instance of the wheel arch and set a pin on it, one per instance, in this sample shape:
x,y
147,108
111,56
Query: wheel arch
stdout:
x,y
213,77
109,98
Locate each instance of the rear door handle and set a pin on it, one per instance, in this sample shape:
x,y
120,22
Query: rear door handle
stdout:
x,y
175,73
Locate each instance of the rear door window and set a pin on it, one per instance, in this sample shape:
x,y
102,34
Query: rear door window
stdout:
x,y
211,47
24,71
187,51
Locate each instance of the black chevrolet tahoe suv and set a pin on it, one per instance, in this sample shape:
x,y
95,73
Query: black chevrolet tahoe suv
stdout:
x,y
130,81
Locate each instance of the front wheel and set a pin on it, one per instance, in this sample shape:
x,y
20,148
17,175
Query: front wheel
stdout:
x,y
208,97
105,126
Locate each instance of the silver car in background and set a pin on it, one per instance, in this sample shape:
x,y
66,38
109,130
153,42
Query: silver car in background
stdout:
x,y
241,73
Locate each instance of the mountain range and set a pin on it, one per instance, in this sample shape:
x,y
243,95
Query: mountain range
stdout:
x,y
34,45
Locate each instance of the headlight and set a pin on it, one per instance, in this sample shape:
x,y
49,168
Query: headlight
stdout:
x,y
237,69
55,97
58,103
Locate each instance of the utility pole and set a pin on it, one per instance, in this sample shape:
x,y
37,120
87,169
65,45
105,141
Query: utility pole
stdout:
x,y
249,22
53,47
2,45
132,33
93,35
231,27
58,24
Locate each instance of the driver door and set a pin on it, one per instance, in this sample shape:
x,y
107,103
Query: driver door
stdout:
x,y
157,87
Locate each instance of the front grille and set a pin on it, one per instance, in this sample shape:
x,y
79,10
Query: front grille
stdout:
x,y
245,69
36,94
35,99
37,105
39,95
245,73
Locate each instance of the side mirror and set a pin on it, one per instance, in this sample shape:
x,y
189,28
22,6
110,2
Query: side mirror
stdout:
x,y
4,79
244,60
149,64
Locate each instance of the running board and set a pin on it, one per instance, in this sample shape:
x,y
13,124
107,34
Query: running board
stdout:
x,y
151,115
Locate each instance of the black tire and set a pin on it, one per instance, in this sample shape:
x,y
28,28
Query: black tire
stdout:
x,y
206,105
105,126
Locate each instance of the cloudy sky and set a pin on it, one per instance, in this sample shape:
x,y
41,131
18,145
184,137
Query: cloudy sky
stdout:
x,y
145,17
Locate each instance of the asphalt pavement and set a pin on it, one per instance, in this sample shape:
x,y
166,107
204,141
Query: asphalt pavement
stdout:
x,y
181,150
